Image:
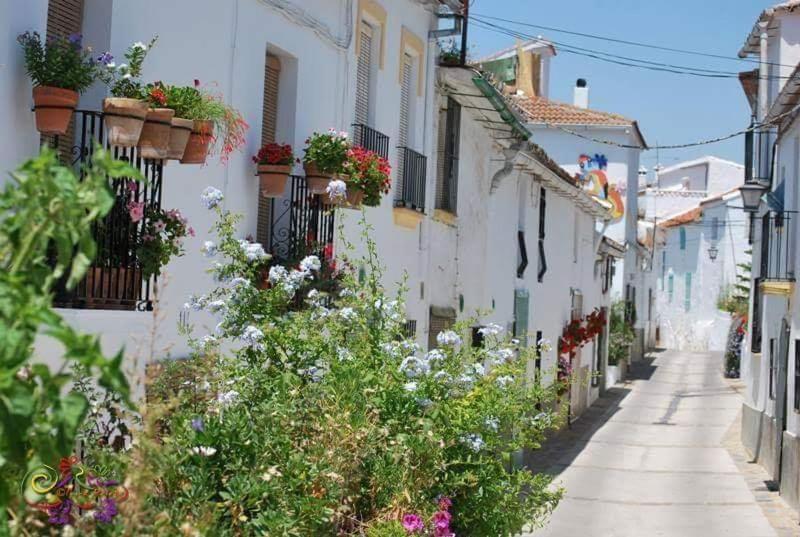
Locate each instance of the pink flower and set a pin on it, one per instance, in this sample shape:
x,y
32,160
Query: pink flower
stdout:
x,y
160,226
133,186
441,520
445,503
413,523
147,238
191,232
136,210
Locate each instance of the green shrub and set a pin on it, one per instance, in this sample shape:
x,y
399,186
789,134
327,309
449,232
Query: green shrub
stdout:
x,y
621,335
61,62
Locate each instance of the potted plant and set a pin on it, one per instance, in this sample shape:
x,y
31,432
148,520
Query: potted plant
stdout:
x,y
183,100
154,139
450,54
620,339
215,124
366,175
60,70
274,165
125,111
324,156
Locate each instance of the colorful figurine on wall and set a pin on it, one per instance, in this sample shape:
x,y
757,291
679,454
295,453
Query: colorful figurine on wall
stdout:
x,y
592,177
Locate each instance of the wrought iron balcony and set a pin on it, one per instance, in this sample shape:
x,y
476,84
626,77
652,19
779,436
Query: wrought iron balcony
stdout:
x,y
777,247
369,138
114,280
411,185
301,224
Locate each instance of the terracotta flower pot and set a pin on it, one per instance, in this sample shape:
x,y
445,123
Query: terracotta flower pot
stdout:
x,y
273,179
124,120
316,179
178,137
353,199
199,142
154,140
53,108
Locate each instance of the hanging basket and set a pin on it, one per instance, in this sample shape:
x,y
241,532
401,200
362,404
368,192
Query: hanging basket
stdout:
x,y
272,179
154,140
124,119
199,142
316,179
178,137
353,199
53,108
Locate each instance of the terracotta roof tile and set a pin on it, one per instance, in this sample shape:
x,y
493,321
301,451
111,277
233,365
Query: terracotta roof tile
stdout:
x,y
685,217
541,110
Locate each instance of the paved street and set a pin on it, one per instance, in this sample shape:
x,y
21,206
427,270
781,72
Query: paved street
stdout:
x,y
650,459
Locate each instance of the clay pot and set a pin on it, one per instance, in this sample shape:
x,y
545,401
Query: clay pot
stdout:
x,y
353,199
53,108
154,140
124,119
199,142
178,137
316,179
273,179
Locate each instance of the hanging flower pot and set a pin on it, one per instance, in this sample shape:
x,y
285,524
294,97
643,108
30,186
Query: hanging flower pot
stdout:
x,y
354,198
316,179
124,119
154,140
199,142
178,137
272,178
53,108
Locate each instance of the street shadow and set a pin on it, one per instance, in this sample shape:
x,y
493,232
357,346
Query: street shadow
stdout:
x,y
642,369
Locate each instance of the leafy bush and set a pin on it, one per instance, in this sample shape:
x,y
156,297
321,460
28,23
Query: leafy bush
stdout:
x,y
328,150
124,79
621,335
60,62
733,346
325,421
46,218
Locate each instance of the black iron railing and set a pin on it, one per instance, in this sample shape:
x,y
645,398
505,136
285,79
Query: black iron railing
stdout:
x,y
369,138
777,247
411,187
114,280
302,224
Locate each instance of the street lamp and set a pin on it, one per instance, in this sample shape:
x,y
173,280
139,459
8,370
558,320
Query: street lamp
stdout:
x,y
751,195
712,252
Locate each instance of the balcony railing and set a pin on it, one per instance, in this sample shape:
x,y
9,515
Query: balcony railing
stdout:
x,y
777,249
114,280
302,224
411,187
369,138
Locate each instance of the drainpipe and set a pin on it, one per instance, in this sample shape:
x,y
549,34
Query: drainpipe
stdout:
x,y
510,155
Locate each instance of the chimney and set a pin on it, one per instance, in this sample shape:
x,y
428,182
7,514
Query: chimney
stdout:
x,y
581,99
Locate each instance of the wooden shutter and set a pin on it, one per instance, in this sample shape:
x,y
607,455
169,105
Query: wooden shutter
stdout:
x,y
405,120
363,75
521,306
447,186
269,126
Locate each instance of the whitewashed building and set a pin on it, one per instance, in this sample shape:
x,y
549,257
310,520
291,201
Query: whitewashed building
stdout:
x,y
770,364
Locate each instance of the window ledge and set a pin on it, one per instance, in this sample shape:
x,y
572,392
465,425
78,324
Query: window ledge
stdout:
x,y
445,217
406,218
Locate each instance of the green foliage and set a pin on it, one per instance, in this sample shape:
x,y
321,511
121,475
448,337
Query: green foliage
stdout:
x,y
735,299
328,150
46,216
325,421
202,104
621,334
124,79
60,62
187,101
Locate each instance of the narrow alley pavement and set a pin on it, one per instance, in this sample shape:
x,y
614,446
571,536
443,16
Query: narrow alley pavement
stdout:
x,y
659,457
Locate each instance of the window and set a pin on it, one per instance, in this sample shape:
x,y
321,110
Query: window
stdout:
x,y
687,292
797,374
714,228
441,319
542,217
447,171
410,329
269,126
772,369
364,63
671,287
683,238
521,306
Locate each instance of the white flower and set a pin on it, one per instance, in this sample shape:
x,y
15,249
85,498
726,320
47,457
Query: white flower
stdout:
x,y
410,386
228,398
217,306
414,367
435,355
253,251
491,329
111,65
310,263
344,293
139,45
504,381
205,451
473,442
277,274
336,189
448,338
253,337
544,345
127,75
343,354
443,376
492,423
196,303
122,66
209,249
211,197
501,356
207,341
479,369
240,282
348,314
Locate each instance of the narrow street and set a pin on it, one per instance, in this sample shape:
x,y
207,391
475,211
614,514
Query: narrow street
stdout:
x,y
650,459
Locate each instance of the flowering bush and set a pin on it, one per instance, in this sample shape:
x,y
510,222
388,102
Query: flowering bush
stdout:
x,y
326,421
620,335
328,151
161,236
124,79
59,62
275,155
155,94
369,172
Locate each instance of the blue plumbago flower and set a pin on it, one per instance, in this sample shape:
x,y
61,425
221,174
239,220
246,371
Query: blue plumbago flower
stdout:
x,y
414,367
209,249
207,341
198,425
240,282
343,354
336,189
501,356
492,423
75,39
443,376
410,386
479,369
473,441
424,402
277,274
211,196
204,451
504,381
253,337
195,303
105,58
435,355
314,372
217,306
139,45
448,338
348,314
228,398
491,329
310,263
253,251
